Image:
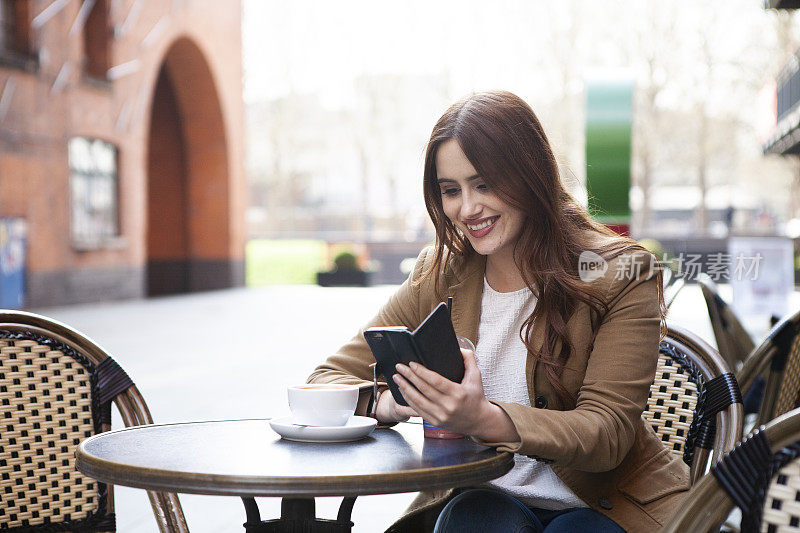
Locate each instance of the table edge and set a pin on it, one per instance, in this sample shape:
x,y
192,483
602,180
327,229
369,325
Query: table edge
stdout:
x,y
440,477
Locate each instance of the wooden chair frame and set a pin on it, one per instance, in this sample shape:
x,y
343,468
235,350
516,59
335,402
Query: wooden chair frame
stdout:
x,y
707,505
729,420
671,291
771,357
733,340
132,407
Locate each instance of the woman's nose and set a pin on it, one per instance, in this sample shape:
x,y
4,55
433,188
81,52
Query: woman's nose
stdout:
x,y
470,208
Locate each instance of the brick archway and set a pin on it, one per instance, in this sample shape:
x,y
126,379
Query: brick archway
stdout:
x,y
188,185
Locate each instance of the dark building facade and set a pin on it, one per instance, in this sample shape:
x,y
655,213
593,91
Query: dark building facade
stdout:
x,y
785,139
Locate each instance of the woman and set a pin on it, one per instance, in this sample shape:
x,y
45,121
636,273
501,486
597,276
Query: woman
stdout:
x,y
566,317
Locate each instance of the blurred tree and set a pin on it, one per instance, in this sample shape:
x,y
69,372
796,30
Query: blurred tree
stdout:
x,y
699,68
651,40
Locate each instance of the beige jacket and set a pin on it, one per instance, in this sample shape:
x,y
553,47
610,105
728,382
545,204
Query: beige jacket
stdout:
x,y
601,447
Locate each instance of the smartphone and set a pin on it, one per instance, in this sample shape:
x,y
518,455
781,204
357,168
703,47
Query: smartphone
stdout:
x,y
386,358
433,344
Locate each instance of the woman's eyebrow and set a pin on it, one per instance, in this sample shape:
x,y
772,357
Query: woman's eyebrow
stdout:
x,y
470,178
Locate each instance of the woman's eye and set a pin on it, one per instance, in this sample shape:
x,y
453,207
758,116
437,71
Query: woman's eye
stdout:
x,y
482,187
450,191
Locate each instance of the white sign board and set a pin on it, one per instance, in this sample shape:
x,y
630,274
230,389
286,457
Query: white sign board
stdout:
x,y
761,274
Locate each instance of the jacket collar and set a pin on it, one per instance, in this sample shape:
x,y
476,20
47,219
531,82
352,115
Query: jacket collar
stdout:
x,y
467,291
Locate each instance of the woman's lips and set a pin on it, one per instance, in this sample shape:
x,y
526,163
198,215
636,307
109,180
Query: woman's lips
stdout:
x,y
483,227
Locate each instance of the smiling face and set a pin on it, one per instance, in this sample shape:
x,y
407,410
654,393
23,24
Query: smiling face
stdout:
x,y
491,225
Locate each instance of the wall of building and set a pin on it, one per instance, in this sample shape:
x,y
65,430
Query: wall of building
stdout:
x,y
53,97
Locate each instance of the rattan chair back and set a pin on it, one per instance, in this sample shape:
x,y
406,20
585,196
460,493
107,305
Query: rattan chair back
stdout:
x,y
761,476
683,408
56,388
667,276
733,341
779,357
671,291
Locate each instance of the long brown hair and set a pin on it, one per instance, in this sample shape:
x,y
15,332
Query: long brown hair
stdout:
x,y
502,138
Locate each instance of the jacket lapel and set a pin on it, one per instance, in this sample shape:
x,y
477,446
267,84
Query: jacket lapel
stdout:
x,y
531,365
467,292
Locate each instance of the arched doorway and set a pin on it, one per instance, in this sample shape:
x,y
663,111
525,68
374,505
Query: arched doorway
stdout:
x,y
188,219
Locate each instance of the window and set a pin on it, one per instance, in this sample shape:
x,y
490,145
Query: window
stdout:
x,y
95,199
15,33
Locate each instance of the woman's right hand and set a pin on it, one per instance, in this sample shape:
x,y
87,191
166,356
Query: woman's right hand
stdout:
x,y
389,411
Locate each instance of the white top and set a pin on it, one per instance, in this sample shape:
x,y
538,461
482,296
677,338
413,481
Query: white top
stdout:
x,y
501,357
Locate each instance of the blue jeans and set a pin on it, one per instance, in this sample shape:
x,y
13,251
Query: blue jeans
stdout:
x,y
486,510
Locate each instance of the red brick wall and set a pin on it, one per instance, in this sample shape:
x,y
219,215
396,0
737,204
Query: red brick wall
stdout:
x,y
58,100
167,235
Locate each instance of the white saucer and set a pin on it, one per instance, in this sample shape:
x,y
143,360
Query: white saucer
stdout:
x,y
356,428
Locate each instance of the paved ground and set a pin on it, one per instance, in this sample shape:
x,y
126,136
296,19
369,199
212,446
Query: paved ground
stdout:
x,y
230,354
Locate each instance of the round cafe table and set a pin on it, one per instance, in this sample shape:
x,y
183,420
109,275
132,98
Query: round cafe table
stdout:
x,y
246,458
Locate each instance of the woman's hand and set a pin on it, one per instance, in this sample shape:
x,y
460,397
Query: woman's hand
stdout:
x,y
389,411
460,407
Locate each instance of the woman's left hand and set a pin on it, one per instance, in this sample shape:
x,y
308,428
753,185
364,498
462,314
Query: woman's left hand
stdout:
x,y
460,407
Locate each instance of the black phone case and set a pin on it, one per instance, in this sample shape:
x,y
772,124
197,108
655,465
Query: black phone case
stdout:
x,y
433,344
437,345
386,359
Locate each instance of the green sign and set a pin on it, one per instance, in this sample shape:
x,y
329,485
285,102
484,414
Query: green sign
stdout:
x,y
608,149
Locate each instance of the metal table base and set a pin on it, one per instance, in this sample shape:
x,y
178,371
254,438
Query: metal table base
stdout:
x,y
298,515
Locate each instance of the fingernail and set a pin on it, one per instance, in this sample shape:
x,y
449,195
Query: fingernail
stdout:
x,y
396,378
413,365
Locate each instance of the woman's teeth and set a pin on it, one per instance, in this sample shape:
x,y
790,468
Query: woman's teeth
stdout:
x,y
484,224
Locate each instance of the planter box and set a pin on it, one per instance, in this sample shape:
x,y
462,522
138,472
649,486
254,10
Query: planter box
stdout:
x,y
344,278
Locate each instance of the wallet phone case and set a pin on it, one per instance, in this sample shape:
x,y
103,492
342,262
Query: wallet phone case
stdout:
x,y
433,344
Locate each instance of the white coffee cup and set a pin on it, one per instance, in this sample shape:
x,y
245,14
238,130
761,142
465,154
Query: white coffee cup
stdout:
x,y
322,404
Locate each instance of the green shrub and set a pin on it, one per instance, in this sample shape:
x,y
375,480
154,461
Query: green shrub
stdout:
x,y
345,261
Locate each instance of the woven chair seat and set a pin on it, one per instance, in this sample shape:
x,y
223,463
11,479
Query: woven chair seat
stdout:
x,y
47,410
694,404
56,389
788,396
671,403
777,361
782,504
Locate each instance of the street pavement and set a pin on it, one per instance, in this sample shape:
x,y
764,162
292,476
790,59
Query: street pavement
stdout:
x,y
230,354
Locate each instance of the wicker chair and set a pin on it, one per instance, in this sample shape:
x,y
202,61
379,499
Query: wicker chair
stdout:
x,y
694,403
668,276
761,476
779,356
56,388
733,341
671,291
